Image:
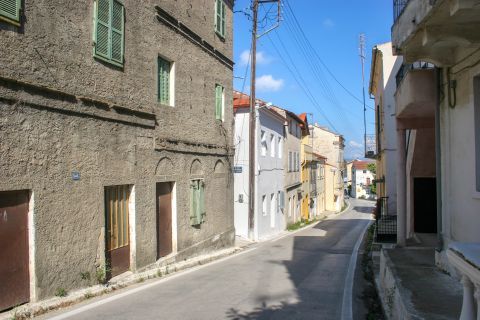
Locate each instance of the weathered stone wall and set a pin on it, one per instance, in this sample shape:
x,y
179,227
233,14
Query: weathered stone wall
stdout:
x,y
61,110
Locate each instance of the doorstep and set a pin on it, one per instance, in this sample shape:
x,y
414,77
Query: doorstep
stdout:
x,y
412,287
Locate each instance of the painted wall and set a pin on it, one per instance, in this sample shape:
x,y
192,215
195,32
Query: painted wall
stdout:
x,y
270,178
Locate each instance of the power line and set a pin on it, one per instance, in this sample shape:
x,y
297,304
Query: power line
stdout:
x,y
320,59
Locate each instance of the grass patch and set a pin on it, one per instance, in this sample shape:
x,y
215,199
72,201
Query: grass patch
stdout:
x,y
300,224
61,292
370,295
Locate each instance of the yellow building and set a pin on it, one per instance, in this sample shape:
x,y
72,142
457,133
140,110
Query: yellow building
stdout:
x,y
306,169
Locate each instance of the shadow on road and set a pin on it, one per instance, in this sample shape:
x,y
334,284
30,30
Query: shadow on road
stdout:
x,y
317,270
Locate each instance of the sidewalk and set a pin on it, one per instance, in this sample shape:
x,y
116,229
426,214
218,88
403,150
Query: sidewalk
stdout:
x,y
412,287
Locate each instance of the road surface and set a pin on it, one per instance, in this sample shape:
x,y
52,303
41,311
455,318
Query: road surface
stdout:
x,y
298,276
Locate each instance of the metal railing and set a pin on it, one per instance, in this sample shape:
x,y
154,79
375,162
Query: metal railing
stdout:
x,y
405,68
398,7
371,147
386,225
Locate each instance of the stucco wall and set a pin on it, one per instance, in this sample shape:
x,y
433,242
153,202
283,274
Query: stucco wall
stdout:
x,y
270,177
460,201
118,135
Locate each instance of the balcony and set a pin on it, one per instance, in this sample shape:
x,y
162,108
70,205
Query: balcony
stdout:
x,y
433,30
371,148
415,96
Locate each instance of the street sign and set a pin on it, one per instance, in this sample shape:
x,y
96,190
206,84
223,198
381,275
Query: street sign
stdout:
x,y
237,169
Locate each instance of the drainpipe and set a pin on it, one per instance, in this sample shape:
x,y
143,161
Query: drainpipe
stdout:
x,y
401,187
438,160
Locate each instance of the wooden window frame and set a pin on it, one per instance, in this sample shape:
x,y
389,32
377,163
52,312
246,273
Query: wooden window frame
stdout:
x,y
220,29
197,209
169,101
108,58
11,19
219,98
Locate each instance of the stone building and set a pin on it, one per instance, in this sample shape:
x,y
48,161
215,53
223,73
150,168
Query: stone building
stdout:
x,y
116,125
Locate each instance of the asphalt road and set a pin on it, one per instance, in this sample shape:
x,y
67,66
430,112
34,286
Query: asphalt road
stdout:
x,y
299,276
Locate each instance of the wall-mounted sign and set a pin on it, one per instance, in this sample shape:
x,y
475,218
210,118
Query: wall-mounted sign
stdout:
x,y
237,169
75,176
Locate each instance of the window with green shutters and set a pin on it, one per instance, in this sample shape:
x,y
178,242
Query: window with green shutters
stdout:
x,y
197,202
109,31
218,102
220,17
10,11
164,68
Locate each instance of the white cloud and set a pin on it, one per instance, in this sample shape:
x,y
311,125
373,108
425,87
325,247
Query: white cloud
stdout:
x,y
262,58
355,144
268,83
328,23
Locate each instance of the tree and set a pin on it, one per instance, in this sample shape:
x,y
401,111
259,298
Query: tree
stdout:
x,y
372,167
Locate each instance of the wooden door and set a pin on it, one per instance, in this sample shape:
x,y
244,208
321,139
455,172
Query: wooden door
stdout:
x,y
14,271
117,226
164,219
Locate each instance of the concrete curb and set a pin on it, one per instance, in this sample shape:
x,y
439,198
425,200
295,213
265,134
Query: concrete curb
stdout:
x,y
34,309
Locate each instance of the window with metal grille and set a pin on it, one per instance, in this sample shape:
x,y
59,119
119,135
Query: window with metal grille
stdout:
x,y
164,68
116,212
109,31
220,18
10,11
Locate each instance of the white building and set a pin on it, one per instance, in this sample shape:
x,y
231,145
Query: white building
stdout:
x,y
269,209
362,179
383,86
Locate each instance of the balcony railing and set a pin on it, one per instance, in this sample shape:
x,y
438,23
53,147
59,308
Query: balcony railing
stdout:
x,y
371,148
405,68
398,7
386,225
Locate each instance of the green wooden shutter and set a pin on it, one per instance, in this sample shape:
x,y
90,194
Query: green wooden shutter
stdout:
x,y
102,28
194,203
10,9
218,102
222,26
163,81
218,17
117,20
201,201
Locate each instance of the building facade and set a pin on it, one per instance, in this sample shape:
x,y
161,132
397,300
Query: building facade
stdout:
x,y
104,169
383,84
291,163
331,145
362,179
269,213
443,105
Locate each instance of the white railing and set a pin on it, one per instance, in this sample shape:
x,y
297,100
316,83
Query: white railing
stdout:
x,y
465,258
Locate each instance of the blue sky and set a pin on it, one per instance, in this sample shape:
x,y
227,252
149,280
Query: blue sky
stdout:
x,y
332,29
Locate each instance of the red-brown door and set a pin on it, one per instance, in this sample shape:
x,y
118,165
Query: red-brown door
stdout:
x,y
117,236
164,219
14,273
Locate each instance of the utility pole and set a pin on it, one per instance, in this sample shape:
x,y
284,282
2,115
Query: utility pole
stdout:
x,y
252,128
362,59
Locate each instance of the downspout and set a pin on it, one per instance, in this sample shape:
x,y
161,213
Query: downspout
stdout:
x,y
438,160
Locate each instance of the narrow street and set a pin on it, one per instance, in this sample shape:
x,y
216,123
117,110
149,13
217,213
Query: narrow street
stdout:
x,y
300,276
